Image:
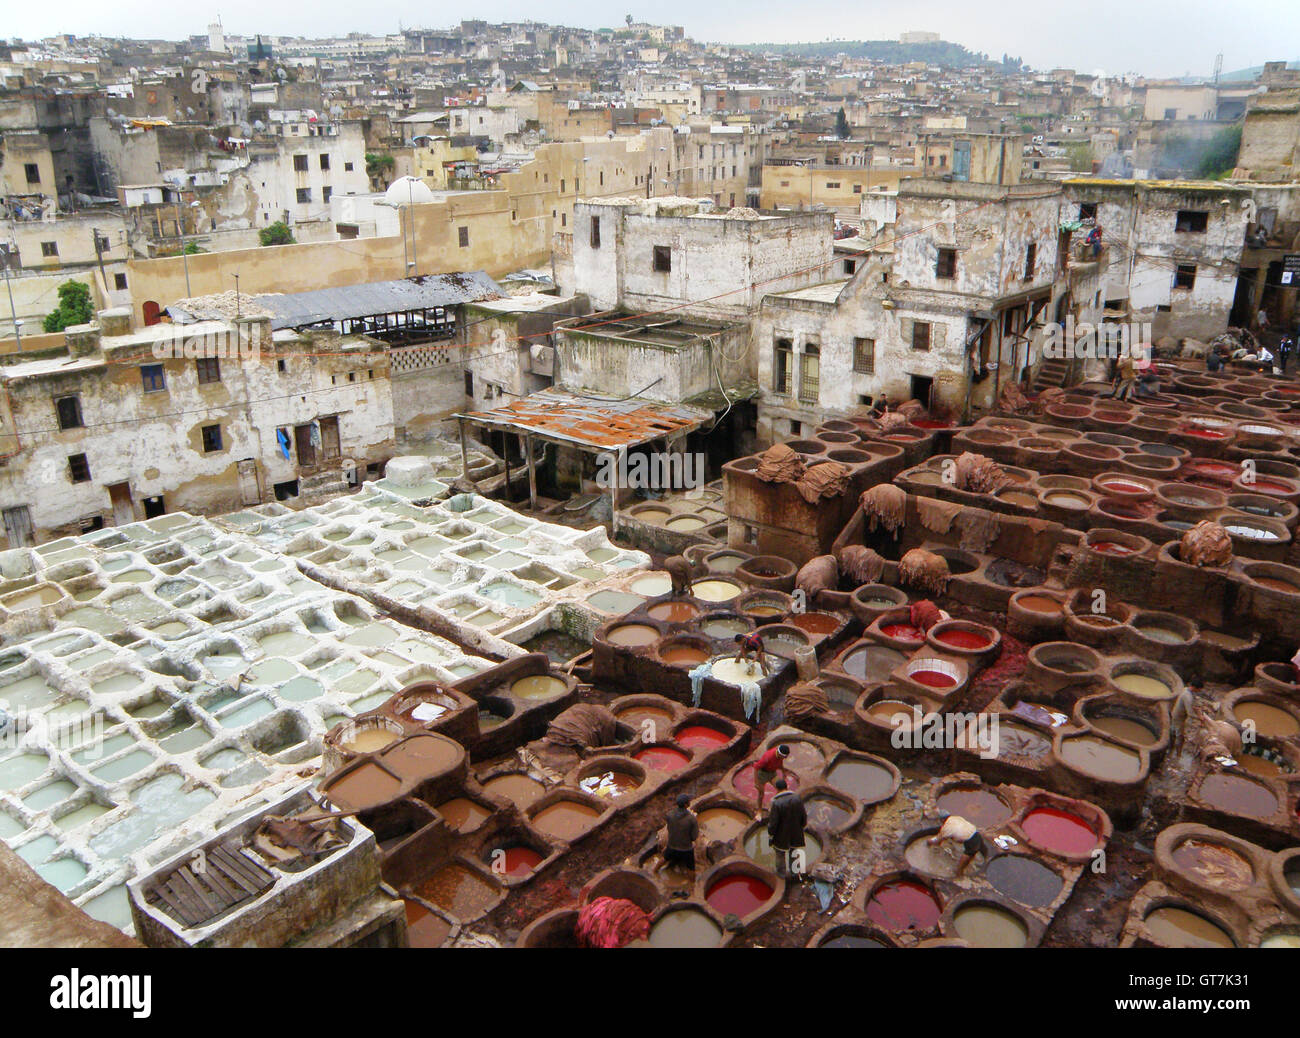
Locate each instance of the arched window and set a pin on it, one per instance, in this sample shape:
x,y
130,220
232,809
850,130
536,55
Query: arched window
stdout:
x,y
152,312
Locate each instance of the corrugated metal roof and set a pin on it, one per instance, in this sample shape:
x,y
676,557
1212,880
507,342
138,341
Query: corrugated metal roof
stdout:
x,y
299,309
603,424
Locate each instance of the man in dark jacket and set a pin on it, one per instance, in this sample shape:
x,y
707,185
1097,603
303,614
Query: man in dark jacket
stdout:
x,y
683,828
785,825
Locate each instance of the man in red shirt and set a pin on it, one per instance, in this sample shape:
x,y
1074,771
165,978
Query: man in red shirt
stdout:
x,y
766,768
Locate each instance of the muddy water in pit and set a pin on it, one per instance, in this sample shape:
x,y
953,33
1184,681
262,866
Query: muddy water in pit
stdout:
x,y
367,786
685,928
815,623
1275,584
1238,795
1142,685
1023,879
722,823
1179,928
463,814
902,904
565,819
367,740
539,686
1020,741
1044,604
1059,831
940,861
683,655
1100,757
759,848
423,928
517,862
872,664
804,756
987,926
1268,719
458,890
420,757
515,786
1123,728
885,710
631,635
979,806
724,628
674,612
826,812
1214,865
860,779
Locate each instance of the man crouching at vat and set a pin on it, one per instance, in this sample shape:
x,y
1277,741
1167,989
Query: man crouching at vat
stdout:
x,y
679,569
956,829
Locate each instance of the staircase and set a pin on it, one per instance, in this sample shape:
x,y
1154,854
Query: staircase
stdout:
x,y
1051,374
321,486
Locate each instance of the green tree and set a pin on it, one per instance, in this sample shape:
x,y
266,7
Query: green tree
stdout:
x,y
1220,155
74,307
1080,157
842,125
277,234
379,168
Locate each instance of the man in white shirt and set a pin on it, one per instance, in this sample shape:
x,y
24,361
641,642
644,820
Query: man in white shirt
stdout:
x,y
956,829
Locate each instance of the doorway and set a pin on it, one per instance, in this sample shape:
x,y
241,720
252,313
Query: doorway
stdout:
x,y
18,526
304,446
329,437
123,507
922,387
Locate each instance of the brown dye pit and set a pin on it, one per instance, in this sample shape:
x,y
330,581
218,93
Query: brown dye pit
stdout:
x,y
463,814
885,710
826,812
423,928
981,807
1099,757
722,823
631,635
815,623
1238,795
673,612
458,890
1269,720
539,686
1214,864
683,655
367,786
515,786
1179,928
1123,728
1023,879
1040,604
804,756
860,779
419,756
565,819
660,720
1019,741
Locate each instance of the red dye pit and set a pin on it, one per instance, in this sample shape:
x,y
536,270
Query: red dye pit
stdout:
x,y
962,639
744,783
662,758
933,678
1205,434
1111,548
903,905
518,861
903,632
1059,831
738,894
930,423
1267,486
1216,469
700,735
1120,486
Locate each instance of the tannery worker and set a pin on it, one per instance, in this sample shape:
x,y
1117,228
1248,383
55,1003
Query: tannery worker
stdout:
x,y
683,828
679,569
956,829
766,768
785,825
752,643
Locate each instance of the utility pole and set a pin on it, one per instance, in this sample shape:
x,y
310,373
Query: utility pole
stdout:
x,y
99,256
185,259
13,312
237,314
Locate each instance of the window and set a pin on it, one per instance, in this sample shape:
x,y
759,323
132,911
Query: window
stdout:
x,y
324,162
850,266
68,409
810,374
300,163
782,363
209,369
832,185
864,356
151,378
469,383
347,167
663,259
595,232
857,189
1185,276
945,268
119,282
33,172
921,336
1031,260
304,195
211,438
280,366
1171,114
325,193
78,468
1087,210
561,185
1192,221
462,235
50,249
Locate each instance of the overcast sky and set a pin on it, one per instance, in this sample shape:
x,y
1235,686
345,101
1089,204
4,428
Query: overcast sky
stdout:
x,y
1151,37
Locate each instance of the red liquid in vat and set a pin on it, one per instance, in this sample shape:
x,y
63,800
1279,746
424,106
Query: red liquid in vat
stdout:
x,y
738,894
518,861
1120,486
744,783
1059,831
1205,434
662,758
933,678
1267,486
959,638
903,905
903,632
930,423
1111,548
700,735
1212,468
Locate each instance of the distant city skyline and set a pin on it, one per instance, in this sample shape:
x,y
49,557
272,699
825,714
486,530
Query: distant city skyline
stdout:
x,y
1159,39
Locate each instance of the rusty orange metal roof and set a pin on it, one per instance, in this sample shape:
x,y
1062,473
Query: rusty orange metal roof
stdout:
x,y
591,423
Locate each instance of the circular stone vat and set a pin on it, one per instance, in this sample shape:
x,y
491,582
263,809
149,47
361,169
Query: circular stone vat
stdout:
x,y
982,807
1023,879
1151,681
700,736
963,637
662,758
1172,926
612,778
1105,718
890,712
829,812
863,778
1101,758
1021,742
685,650
933,673
738,893
538,687
850,935
724,627
723,824
685,926
651,585
1165,628
983,925
632,636
645,718
758,847
871,663
817,625
903,904
515,786
743,783
1059,832
1270,721
714,589
1238,795
1213,864
1282,579
674,611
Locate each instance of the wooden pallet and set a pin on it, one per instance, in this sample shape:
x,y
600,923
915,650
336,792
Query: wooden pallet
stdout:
x,y
206,887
